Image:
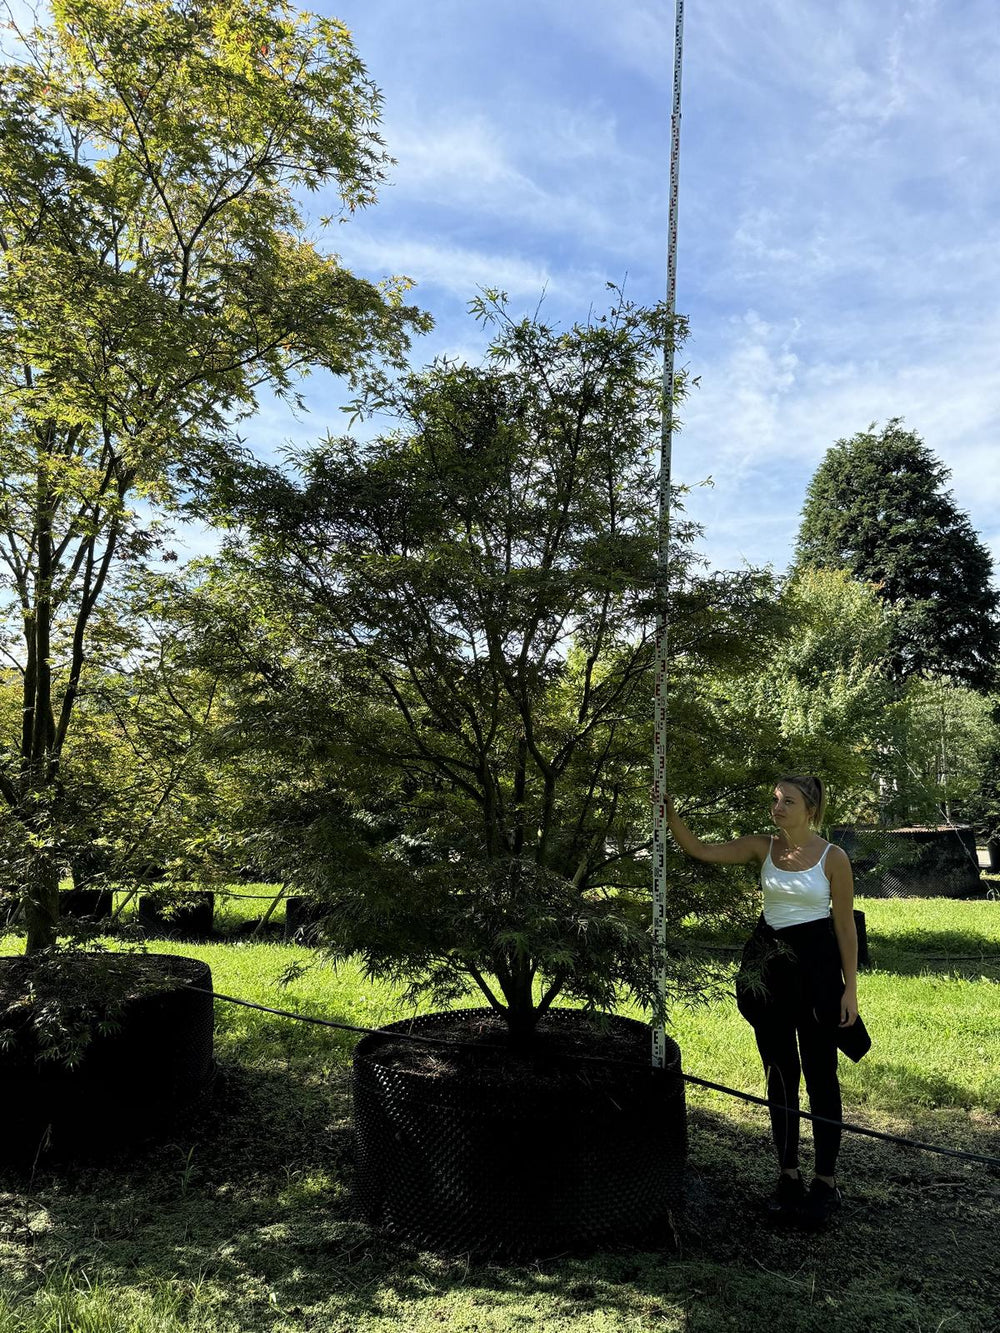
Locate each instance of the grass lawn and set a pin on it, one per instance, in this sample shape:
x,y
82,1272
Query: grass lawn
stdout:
x,y
244,1223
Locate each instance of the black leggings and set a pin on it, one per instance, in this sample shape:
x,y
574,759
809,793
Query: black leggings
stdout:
x,y
776,1040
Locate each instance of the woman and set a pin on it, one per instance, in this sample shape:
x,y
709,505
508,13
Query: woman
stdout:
x,y
798,980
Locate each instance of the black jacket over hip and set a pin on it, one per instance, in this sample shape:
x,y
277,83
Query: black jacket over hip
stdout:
x,y
796,973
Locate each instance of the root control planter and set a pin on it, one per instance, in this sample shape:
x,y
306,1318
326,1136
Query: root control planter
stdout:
x,y
519,1152
138,1080
913,862
87,904
303,917
181,916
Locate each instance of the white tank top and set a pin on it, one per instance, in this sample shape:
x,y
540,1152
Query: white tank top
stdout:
x,y
792,897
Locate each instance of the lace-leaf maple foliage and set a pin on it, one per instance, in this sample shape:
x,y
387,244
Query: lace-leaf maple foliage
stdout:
x,y
466,607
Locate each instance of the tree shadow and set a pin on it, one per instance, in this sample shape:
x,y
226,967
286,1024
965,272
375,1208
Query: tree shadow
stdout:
x,y
935,951
254,1200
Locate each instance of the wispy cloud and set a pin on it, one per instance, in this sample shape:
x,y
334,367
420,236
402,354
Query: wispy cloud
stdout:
x,y
840,213
765,416
456,269
549,175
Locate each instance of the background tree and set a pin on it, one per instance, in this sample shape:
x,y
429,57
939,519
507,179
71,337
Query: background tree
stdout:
x,y
823,700
467,602
983,809
877,506
949,733
142,794
166,771
155,273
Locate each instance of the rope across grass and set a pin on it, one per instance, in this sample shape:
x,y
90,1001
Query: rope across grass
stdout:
x,y
396,1035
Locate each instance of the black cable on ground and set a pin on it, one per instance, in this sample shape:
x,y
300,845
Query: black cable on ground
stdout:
x,y
898,1139
171,891
852,1129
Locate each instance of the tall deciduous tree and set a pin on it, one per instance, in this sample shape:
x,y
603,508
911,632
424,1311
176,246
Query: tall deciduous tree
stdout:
x,y
949,733
984,805
877,505
155,273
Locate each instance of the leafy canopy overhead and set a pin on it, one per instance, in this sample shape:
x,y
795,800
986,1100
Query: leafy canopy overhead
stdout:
x,y
877,506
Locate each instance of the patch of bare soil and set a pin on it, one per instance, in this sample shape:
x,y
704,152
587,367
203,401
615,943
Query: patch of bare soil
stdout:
x,y
566,1048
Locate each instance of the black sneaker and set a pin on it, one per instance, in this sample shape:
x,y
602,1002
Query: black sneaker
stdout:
x,y
789,1196
821,1203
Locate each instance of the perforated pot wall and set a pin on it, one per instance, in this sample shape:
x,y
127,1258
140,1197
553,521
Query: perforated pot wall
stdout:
x,y
184,916
553,1155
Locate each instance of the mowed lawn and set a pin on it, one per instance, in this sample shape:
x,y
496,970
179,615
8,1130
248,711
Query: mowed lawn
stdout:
x,y
244,1222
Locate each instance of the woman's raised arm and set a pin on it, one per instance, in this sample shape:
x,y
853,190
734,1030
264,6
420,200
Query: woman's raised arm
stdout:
x,y
736,853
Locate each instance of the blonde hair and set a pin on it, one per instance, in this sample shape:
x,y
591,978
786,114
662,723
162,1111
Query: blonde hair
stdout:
x,y
813,792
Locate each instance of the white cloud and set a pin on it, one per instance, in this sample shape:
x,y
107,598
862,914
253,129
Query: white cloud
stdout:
x,y
764,417
466,158
546,171
439,265
456,269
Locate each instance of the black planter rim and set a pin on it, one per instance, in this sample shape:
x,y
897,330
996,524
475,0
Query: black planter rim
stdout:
x,y
197,963
427,1022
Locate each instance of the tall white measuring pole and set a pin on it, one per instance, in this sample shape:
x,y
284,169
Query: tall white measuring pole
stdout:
x,y
663,557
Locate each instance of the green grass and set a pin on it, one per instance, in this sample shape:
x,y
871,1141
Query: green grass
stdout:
x,y
244,1223
936,929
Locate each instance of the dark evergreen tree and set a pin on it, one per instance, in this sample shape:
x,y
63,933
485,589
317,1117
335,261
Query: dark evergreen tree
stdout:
x,y
877,505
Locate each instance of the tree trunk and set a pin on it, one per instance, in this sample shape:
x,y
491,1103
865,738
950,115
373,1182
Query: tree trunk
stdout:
x,y
41,902
522,1016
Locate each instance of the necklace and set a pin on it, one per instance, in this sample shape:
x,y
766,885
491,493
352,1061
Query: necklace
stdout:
x,y
790,846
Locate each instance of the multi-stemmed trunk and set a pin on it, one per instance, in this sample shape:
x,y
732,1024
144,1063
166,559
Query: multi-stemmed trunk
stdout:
x,y
47,704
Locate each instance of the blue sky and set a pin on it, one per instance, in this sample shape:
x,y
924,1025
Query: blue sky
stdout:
x,y
839,226
839,229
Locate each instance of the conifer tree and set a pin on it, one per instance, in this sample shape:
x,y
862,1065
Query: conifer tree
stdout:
x,y
877,505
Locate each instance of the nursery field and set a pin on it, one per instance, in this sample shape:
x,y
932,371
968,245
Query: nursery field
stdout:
x,y
244,1223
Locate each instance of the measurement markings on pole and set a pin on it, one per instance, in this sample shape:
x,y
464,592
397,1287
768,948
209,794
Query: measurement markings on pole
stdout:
x,y
663,561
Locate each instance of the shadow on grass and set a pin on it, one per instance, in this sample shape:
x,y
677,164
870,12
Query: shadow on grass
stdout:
x,y
249,1037
253,1202
933,950
929,951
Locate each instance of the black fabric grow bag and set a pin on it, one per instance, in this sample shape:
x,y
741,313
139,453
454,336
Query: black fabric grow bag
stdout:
x,y
184,915
131,1084
550,1155
302,919
87,904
